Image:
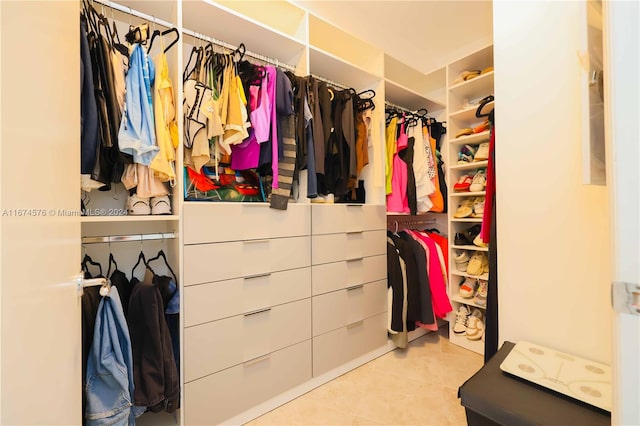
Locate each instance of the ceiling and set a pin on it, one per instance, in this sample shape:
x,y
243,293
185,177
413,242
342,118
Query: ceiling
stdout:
x,y
425,34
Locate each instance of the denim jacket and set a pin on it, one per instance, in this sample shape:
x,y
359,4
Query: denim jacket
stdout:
x,y
110,367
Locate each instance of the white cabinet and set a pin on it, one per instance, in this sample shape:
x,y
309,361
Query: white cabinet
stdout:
x,y
462,104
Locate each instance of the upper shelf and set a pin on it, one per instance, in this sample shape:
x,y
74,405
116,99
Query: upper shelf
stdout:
x,y
471,139
408,98
165,10
225,24
481,85
478,60
469,114
331,67
125,218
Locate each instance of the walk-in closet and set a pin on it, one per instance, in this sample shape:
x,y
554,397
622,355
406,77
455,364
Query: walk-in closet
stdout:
x,y
246,205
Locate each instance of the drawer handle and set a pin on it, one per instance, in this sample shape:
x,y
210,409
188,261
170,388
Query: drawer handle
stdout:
x,y
255,241
355,287
256,360
354,232
251,277
257,311
355,324
355,259
355,205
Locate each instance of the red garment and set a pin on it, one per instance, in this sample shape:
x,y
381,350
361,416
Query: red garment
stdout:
x,y
441,304
491,189
443,242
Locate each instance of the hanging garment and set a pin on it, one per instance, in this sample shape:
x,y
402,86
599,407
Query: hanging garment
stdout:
x,y
423,184
142,178
109,383
426,317
391,148
397,284
137,129
246,155
286,164
362,144
270,146
406,155
157,384
436,173
163,164
397,200
436,131
437,278
89,142
312,179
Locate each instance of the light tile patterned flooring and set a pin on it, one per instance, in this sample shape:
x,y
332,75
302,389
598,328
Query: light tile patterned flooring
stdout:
x,y
413,386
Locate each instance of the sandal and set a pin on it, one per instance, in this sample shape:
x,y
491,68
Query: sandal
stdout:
x,y
465,209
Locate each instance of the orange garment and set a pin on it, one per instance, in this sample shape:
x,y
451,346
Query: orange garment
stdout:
x,y
362,147
436,198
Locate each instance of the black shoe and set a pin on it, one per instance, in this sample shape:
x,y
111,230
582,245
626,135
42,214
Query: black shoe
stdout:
x,y
461,240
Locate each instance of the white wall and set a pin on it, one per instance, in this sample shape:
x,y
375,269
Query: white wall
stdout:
x,y
553,232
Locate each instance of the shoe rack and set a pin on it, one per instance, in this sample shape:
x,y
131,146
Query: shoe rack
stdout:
x,y
463,97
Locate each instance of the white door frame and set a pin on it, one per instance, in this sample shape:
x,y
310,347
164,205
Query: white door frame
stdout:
x,y
621,48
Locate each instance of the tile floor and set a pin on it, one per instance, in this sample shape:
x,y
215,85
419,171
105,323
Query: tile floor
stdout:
x,y
415,386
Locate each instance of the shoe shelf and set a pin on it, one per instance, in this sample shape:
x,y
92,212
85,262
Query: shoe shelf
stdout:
x,y
468,194
476,346
464,274
469,114
462,102
468,219
470,248
480,84
474,139
459,299
473,165
128,218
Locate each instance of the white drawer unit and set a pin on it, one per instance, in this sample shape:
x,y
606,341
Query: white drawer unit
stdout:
x,y
205,263
337,347
217,345
222,299
349,306
215,398
332,219
348,246
338,275
220,222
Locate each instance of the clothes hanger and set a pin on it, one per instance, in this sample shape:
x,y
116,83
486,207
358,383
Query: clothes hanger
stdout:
x,y
484,102
87,260
112,260
157,33
162,256
141,258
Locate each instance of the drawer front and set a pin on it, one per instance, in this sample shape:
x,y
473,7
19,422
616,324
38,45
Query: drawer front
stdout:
x,y
347,246
333,219
217,345
218,397
205,263
220,222
348,306
338,275
222,299
340,346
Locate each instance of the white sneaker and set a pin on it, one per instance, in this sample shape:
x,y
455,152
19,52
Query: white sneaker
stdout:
x,y
462,261
479,182
160,205
137,206
480,298
468,288
483,152
462,316
475,325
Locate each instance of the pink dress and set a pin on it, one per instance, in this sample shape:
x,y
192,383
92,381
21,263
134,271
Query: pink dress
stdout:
x,y
397,201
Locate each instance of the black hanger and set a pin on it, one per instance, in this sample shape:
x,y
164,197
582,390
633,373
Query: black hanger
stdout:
x,y
198,52
370,92
112,260
141,258
162,256
162,34
484,102
87,260
240,50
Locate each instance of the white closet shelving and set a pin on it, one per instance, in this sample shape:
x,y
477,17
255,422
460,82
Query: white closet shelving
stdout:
x,y
462,100
274,303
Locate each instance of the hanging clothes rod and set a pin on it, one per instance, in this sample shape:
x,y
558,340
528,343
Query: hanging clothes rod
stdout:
x,y
126,238
133,12
331,82
220,43
389,104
